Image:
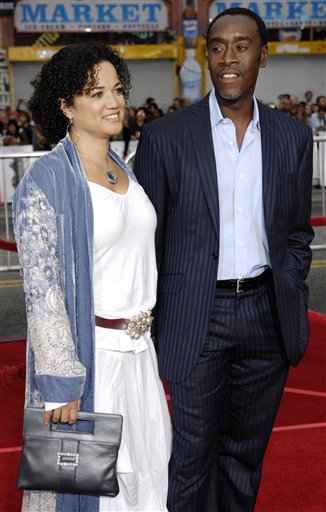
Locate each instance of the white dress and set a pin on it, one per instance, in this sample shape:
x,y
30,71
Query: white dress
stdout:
x,y
127,380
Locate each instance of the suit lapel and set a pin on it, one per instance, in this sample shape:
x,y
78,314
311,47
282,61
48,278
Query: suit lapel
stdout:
x,y
201,133
200,129
269,162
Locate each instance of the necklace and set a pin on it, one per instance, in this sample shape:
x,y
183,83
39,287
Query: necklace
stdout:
x,y
110,175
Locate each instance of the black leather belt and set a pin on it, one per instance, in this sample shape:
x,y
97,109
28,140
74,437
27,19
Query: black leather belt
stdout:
x,y
241,285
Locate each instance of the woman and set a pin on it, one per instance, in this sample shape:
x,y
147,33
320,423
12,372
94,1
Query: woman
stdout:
x,y
141,119
14,135
25,126
85,235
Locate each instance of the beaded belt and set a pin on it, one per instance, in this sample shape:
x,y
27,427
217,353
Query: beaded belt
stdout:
x,y
135,327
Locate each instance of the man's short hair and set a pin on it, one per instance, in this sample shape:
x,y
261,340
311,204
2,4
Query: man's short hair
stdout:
x,y
261,27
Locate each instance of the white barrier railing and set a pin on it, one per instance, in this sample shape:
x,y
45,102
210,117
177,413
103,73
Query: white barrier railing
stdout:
x,y
13,164
14,161
319,165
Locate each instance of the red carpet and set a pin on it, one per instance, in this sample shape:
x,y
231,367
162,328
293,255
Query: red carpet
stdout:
x,y
12,355
294,472
295,464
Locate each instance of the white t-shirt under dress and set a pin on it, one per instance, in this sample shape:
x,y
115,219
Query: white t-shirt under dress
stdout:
x,y
127,380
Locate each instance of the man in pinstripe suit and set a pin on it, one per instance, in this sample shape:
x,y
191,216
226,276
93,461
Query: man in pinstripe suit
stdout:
x,y
230,179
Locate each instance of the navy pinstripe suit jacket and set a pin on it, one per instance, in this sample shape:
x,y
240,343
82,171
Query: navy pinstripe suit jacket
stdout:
x,y
175,164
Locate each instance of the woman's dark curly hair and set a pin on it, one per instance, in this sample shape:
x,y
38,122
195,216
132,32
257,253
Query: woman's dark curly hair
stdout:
x,y
71,72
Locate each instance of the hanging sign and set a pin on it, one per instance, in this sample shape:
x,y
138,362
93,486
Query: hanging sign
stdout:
x,y
100,16
280,14
6,8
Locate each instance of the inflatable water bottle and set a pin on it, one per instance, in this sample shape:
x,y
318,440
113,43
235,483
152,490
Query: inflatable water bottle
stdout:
x,y
190,75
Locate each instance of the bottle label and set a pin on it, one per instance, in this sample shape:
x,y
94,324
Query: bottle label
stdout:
x,y
191,89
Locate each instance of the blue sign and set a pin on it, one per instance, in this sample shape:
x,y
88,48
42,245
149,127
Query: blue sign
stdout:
x,y
78,16
280,14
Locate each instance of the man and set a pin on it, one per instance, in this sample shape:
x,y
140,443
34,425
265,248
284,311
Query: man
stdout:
x,y
284,104
321,101
308,97
294,105
318,121
231,183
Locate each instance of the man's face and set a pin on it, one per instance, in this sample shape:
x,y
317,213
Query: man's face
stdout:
x,y
234,57
308,95
294,100
284,105
321,112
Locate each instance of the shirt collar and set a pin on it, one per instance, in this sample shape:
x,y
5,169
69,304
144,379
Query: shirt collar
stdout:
x,y
217,116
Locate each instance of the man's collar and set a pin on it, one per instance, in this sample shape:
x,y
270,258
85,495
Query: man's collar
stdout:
x,y
217,116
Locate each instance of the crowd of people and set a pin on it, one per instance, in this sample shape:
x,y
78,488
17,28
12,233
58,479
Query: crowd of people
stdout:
x,y
307,111
136,118
17,127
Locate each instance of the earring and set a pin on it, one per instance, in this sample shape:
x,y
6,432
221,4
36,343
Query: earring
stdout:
x,y
75,129
68,126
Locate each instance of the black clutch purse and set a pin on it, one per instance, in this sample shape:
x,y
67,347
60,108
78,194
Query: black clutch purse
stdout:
x,y
68,460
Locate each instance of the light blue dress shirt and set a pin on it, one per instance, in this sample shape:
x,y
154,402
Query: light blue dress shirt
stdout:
x,y
243,242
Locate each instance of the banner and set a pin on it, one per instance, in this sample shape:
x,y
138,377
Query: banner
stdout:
x,y
4,81
100,16
280,14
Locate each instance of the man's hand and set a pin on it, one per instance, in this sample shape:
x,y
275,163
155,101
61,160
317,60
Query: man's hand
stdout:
x,y
64,414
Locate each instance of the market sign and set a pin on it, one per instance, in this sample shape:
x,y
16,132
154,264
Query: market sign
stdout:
x,y
280,14
79,16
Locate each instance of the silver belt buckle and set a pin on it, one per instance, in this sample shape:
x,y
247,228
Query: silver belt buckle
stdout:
x,y
239,285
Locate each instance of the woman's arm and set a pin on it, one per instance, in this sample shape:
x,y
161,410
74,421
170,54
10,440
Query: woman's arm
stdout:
x,y
59,375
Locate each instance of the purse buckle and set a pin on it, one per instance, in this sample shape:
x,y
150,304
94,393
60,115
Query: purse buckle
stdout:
x,y
68,459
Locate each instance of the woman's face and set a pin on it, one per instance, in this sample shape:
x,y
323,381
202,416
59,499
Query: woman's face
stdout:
x,y
141,115
11,127
101,112
132,113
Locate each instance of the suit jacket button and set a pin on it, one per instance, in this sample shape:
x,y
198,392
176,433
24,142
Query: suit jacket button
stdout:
x,y
214,255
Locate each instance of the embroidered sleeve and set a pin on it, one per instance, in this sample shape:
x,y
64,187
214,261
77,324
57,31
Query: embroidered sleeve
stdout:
x,y
48,323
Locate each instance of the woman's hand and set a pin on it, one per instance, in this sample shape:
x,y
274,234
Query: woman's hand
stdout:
x,y
65,414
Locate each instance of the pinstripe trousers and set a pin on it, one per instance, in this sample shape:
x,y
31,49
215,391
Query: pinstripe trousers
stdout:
x,y
223,412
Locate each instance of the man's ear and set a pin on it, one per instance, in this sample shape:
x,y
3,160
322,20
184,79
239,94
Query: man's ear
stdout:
x,y
263,56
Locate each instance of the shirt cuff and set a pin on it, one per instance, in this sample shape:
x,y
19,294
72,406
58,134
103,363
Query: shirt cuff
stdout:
x,y
49,406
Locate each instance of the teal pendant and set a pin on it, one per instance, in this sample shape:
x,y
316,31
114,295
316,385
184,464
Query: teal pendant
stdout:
x,y
111,177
